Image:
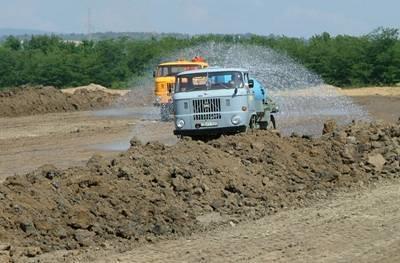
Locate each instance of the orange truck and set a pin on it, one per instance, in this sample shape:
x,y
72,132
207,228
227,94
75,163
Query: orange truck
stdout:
x,y
164,77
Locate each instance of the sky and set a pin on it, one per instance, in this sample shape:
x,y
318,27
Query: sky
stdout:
x,y
298,18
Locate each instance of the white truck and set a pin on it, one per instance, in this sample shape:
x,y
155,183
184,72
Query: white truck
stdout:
x,y
214,101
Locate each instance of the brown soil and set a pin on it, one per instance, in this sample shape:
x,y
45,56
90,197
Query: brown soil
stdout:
x,y
155,191
29,101
386,108
371,91
63,139
350,227
70,139
382,103
94,87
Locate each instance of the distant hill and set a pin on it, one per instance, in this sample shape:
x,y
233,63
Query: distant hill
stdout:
x,y
19,31
129,35
27,33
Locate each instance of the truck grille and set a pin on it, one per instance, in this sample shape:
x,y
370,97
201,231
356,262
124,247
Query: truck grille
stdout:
x,y
207,109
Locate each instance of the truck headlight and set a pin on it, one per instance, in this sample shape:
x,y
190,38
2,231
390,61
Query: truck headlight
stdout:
x,y
235,120
180,123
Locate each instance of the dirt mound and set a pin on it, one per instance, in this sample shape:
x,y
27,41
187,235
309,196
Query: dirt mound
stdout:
x,y
154,191
95,87
29,101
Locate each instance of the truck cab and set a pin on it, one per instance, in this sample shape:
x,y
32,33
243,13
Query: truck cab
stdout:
x,y
165,74
214,101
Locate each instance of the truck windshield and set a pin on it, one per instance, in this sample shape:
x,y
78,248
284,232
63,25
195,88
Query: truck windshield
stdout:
x,y
165,71
209,81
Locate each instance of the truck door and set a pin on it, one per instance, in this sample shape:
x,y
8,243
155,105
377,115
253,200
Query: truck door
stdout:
x,y
250,94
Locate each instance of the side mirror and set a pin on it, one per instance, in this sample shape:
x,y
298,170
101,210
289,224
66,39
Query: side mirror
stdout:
x,y
251,83
154,74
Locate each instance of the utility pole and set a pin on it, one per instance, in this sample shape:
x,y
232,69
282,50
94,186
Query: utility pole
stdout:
x,y
89,25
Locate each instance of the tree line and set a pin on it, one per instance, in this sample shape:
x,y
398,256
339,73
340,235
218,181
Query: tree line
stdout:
x,y
373,59
49,60
344,61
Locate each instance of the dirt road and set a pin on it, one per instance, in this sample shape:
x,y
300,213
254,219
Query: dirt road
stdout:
x,y
70,139
351,227
382,103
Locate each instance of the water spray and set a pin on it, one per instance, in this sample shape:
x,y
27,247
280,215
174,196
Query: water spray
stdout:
x,y
304,100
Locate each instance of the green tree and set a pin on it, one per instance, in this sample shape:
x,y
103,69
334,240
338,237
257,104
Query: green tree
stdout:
x,y
13,43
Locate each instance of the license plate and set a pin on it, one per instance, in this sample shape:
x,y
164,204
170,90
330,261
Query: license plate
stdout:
x,y
209,124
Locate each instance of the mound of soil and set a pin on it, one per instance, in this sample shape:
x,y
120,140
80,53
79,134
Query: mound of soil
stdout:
x,y
29,101
95,87
155,191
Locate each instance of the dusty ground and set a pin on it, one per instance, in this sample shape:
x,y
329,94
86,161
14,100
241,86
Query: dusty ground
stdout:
x,y
371,91
380,107
350,227
360,227
153,192
383,103
72,138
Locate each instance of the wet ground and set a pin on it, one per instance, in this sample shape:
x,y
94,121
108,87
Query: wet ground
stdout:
x,y
70,139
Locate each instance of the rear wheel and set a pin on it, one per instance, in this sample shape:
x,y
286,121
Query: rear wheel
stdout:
x,y
252,124
263,125
273,122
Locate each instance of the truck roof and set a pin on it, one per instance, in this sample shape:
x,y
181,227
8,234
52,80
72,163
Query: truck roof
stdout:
x,y
212,69
183,62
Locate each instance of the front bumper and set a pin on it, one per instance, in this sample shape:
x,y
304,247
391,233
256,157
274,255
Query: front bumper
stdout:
x,y
211,131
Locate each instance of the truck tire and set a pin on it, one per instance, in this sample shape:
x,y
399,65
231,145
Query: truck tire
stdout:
x,y
252,124
273,122
263,125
